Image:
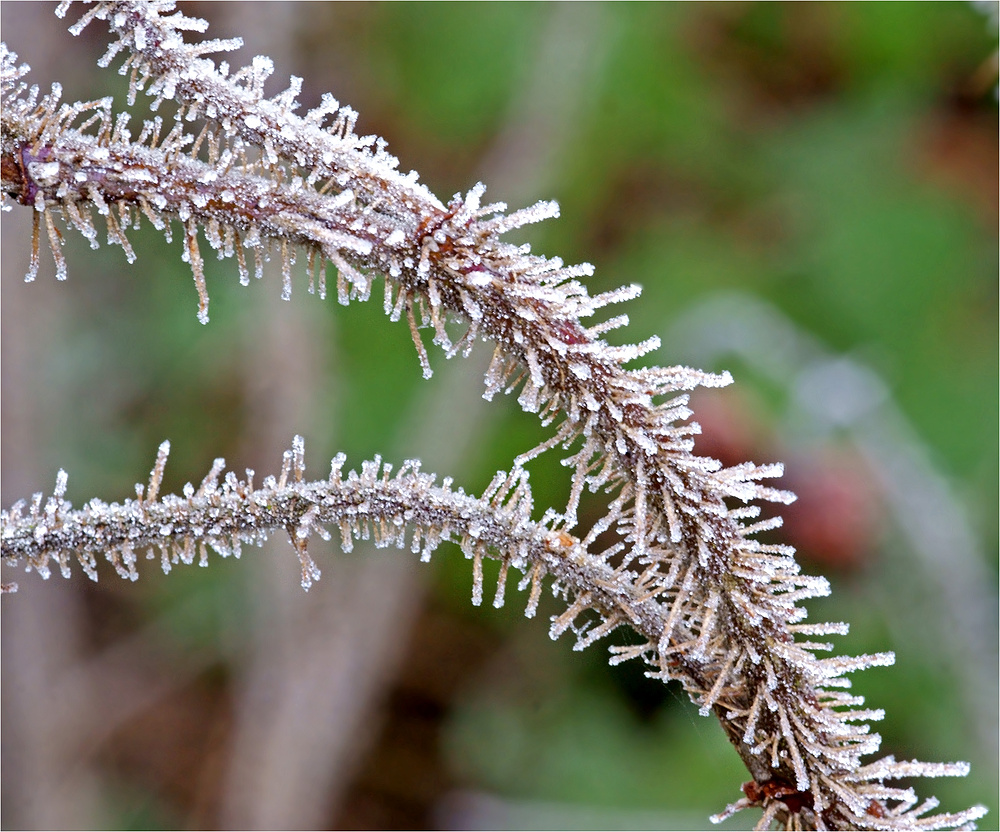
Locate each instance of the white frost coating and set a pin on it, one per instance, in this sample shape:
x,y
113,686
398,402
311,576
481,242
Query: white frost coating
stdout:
x,y
472,309
479,278
138,175
45,173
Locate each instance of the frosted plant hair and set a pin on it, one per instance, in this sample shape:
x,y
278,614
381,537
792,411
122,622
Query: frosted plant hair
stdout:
x,y
708,602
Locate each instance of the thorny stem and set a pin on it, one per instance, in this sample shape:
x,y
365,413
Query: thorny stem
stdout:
x,y
717,609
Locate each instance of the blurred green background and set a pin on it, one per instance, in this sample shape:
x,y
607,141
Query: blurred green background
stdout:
x,y
807,194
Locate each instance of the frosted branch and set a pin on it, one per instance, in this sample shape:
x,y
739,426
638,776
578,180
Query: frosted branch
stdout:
x,y
713,606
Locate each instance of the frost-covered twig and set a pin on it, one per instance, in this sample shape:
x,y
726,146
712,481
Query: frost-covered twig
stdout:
x,y
224,513
715,608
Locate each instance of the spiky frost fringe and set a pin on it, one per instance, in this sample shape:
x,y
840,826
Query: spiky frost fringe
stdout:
x,y
716,608
225,512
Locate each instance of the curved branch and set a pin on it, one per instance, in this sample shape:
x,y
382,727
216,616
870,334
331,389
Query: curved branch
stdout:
x,y
717,609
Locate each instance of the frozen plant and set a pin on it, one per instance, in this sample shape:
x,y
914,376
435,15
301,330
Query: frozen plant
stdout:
x,y
711,605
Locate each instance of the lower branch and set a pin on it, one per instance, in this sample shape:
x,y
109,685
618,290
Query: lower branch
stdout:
x,y
225,512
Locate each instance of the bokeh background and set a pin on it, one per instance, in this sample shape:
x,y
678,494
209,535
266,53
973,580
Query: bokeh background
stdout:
x,y
807,193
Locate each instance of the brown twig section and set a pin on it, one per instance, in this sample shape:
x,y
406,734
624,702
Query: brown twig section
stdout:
x,y
715,607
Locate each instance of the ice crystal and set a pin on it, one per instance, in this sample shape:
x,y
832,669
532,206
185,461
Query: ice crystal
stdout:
x,y
713,607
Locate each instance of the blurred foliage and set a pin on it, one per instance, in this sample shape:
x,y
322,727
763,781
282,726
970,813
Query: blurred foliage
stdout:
x,y
838,160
